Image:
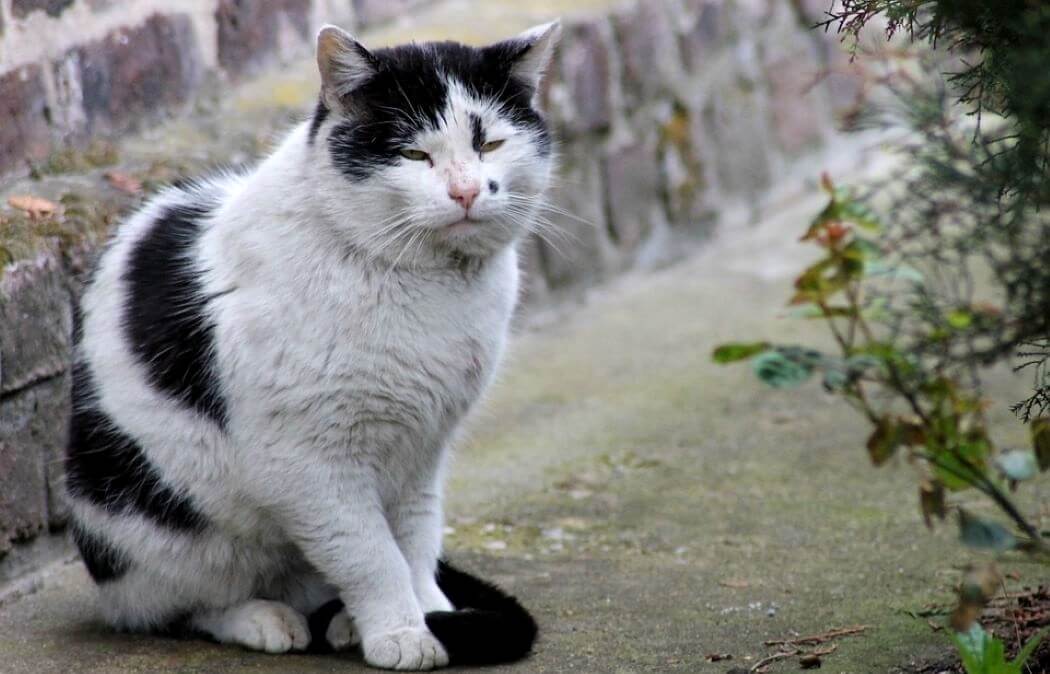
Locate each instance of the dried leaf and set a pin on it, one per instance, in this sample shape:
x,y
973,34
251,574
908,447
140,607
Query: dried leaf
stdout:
x,y
1040,429
35,207
124,182
884,441
931,500
735,583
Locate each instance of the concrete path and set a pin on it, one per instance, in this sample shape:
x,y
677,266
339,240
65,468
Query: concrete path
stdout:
x,y
650,507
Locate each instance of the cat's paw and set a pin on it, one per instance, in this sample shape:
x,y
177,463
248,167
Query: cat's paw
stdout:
x,y
407,649
341,633
268,626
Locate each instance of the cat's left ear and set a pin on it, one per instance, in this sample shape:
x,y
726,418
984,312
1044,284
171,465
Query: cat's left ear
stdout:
x,y
530,52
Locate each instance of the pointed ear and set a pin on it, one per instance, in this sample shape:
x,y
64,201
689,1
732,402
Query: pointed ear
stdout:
x,y
530,52
344,64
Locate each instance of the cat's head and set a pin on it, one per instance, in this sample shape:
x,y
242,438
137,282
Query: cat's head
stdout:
x,y
432,147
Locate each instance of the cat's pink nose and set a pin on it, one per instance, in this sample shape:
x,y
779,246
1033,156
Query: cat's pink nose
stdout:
x,y
464,193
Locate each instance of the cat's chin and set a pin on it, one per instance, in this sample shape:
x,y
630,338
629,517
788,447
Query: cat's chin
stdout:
x,y
464,226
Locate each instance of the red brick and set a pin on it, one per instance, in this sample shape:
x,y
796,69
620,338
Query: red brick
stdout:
x,y
250,31
586,69
22,8
134,74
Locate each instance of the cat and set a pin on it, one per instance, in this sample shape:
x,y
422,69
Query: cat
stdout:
x,y
271,366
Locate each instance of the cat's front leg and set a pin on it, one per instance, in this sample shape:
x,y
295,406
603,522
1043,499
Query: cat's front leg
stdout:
x,y
337,519
418,525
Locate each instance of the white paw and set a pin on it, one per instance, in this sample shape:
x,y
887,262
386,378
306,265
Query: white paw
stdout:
x,y
341,633
431,598
267,626
408,649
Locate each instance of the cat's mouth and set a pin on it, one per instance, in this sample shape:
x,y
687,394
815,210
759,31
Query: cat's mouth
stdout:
x,y
461,226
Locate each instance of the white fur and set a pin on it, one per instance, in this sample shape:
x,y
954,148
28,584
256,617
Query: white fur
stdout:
x,y
350,351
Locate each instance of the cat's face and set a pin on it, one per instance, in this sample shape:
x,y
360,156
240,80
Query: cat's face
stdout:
x,y
437,146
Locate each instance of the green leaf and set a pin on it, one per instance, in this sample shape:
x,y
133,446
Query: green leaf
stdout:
x,y
734,351
960,319
972,645
1017,464
1029,648
978,533
900,272
781,369
969,453
859,214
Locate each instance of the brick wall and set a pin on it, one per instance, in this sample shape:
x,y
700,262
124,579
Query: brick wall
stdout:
x,y
71,70
667,113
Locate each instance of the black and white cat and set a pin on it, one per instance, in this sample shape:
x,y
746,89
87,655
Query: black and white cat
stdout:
x,y
271,366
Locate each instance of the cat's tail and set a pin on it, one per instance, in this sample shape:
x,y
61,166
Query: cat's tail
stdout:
x,y
488,626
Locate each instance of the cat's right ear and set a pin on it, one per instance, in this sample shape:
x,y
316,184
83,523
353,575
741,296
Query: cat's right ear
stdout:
x,y
344,64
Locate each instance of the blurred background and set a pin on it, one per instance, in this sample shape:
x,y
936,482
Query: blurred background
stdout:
x,y
657,512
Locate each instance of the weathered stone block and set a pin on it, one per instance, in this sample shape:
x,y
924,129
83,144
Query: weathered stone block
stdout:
x,y
575,245
587,72
735,121
632,187
685,169
795,102
811,12
24,129
48,434
250,32
23,482
648,50
35,322
705,29
371,12
22,8
133,74
843,80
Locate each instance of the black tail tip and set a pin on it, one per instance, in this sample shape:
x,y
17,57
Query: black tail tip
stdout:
x,y
489,626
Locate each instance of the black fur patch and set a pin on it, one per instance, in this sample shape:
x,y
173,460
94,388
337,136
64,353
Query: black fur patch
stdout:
x,y
165,317
408,93
477,133
102,561
318,622
488,627
108,468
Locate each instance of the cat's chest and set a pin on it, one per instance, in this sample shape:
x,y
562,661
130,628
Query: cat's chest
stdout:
x,y
415,351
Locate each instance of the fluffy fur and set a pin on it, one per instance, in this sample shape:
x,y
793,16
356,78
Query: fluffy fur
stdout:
x,y
272,366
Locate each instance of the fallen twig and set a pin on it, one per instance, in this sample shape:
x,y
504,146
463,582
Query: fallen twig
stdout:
x,y
821,638
763,664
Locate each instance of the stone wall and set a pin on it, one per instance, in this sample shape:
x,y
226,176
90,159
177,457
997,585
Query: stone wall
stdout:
x,y
71,70
667,114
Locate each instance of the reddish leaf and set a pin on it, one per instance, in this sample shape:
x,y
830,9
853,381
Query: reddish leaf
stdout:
x,y
35,207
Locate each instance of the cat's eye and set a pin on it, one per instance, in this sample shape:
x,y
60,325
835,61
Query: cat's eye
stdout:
x,y
414,155
492,145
